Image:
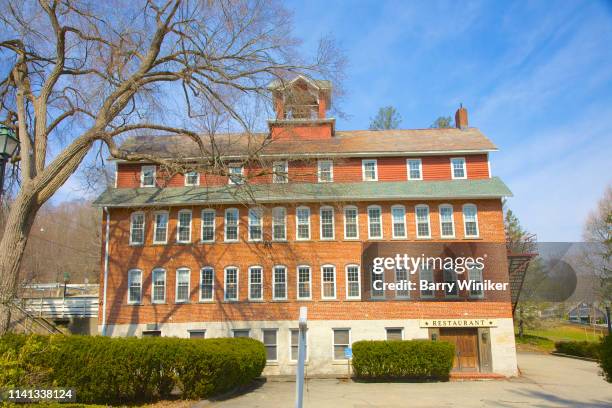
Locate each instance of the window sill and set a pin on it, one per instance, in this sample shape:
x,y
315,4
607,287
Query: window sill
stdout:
x,y
206,242
280,300
135,304
423,238
158,303
183,243
206,301
159,243
184,302
279,241
329,300
256,300
352,300
136,245
448,238
399,238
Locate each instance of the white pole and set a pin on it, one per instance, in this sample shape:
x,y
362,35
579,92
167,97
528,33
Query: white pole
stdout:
x,y
299,375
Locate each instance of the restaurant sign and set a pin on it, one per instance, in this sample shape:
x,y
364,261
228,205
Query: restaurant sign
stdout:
x,y
441,323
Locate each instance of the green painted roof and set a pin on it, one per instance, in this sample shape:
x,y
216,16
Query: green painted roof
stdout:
x,y
302,192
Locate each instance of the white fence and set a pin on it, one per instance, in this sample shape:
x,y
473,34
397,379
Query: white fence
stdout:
x,y
74,306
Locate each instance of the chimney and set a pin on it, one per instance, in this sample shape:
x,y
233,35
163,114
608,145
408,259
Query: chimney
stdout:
x,y
461,117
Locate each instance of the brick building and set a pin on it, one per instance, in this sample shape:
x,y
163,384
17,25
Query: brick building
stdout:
x,y
288,222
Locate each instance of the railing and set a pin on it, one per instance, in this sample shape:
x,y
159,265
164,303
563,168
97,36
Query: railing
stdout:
x,y
75,306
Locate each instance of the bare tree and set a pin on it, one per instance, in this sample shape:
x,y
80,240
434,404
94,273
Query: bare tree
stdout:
x,y
81,74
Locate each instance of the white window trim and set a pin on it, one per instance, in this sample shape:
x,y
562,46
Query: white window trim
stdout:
x,y
420,169
346,268
225,239
178,221
331,171
241,330
153,286
274,175
335,282
363,172
297,235
433,292
225,299
144,228
155,226
142,172
465,175
128,291
274,225
197,331
177,286
416,221
440,207
274,297
275,345
378,276
197,183
403,220
481,295
212,299
401,329
382,233
489,165
398,296
464,221
356,221
262,283
250,238
327,207
214,234
229,176
307,353
451,296
297,280
333,348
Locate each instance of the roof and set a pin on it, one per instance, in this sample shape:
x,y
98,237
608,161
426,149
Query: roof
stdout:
x,y
317,83
305,192
354,143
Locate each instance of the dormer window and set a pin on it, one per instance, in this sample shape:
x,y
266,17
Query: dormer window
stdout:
x,y
147,176
458,170
326,171
415,169
235,175
192,178
280,172
369,170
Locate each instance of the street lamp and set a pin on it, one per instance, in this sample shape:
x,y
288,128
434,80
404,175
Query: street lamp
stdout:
x,y
9,144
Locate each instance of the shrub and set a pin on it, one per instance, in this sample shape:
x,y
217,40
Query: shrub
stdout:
x,y
111,370
578,348
605,357
409,359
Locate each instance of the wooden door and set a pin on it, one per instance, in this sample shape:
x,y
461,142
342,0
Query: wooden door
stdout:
x,y
466,347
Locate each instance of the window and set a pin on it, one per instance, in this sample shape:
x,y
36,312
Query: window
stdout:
x,y
415,169
398,215
147,176
269,341
470,221
183,229
207,282
447,226
353,284
475,275
151,333
182,285
325,171
231,283
208,225
295,338
159,286
302,216
342,340
279,224
235,175
401,276
458,168
280,172
137,228
241,332
422,221
279,283
303,282
327,222
134,286
197,334
160,233
426,274
328,282
450,276
380,292
395,333
369,170
374,222
255,283
231,224
192,178
351,223
255,227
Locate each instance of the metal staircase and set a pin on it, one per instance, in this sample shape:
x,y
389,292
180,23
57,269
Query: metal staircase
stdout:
x,y
520,253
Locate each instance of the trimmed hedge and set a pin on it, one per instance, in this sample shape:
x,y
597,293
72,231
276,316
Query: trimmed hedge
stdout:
x,y
111,370
578,348
408,359
605,357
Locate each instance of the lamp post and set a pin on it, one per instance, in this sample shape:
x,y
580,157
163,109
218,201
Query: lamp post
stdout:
x,y
9,144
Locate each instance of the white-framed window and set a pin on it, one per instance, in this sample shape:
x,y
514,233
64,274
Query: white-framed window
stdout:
x,y
401,276
134,286
137,228
255,283
147,176
328,282
415,169
375,222
255,224
183,227
231,225
183,278
304,282
302,221
325,171
158,294
230,277
422,221
426,274
380,292
458,168
369,170
398,217
236,333
279,224
351,222
208,225
294,345
192,178
269,341
342,341
197,334
280,172
326,217
353,282
160,228
395,333
447,221
236,174
475,275
450,276
470,221
279,282
207,284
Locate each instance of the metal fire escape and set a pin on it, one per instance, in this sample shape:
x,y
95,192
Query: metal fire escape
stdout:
x,y
520,253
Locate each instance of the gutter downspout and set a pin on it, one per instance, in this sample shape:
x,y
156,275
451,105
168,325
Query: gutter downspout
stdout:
x,y
107,236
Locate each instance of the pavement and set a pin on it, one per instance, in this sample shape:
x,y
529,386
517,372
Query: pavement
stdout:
x,y
546,381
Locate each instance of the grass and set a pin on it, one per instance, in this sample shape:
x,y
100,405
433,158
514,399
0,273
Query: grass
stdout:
x,y
544,339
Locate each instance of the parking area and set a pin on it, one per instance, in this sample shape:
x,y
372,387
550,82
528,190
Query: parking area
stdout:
x,y
546,381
